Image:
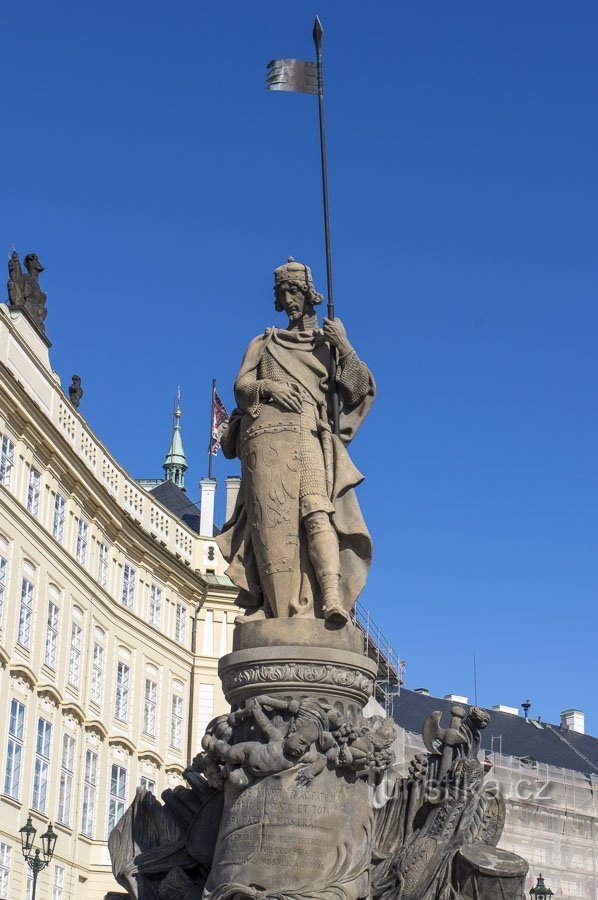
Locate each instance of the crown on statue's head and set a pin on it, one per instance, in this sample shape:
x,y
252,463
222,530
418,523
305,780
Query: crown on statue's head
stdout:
x,y
294,271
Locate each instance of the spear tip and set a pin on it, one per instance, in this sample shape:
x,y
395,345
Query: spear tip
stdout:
x,y
318,33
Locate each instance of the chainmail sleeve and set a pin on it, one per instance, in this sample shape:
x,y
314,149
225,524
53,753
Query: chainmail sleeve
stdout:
x,y
353,378
248,394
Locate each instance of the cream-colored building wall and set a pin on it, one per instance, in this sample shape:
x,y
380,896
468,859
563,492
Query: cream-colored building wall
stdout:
x,y
52,437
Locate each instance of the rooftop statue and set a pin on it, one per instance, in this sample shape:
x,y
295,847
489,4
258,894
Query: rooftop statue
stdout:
x,y
297,544
76,391
24,291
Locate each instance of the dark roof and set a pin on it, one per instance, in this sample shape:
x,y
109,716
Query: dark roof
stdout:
x,y
176,500
513,735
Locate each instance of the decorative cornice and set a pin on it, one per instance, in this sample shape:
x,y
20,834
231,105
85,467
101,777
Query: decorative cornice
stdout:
x,y
97,726
22,669
119,740
150,754
69,706
51,691
177,768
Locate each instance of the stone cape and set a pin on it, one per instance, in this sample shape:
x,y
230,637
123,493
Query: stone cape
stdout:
x,y
282,838
295,353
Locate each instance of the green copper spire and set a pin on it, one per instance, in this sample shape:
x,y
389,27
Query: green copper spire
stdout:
x,y
175,464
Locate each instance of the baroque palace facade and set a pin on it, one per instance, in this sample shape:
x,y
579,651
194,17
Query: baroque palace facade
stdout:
x,y
114,611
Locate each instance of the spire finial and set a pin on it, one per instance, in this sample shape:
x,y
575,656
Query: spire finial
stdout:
x,y
175,464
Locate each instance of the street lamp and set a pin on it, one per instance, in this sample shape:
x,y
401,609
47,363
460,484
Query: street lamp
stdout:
x,y
540,891
34,858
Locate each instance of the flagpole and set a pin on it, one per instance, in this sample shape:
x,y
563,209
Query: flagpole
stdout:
x,y
318,33
210,455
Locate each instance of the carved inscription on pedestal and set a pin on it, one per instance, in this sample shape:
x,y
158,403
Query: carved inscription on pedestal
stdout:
x,y
283,834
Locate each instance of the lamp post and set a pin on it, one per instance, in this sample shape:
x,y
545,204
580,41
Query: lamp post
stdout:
x,y
540,891
36,859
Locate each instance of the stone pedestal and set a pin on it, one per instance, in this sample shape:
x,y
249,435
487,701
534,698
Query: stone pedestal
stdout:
x,y
299,658
292,834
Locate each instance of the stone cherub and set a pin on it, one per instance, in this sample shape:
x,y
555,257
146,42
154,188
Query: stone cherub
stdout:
x,y
305,739
297,543
24,291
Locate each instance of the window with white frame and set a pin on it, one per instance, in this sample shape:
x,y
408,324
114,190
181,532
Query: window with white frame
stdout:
x,y
118,795
42,764
51,648
147,784
102,564
121,700
180,623
97,673
150,701
5,855
155,605
25,614
58,517
3,580
58,883
29,886
65,785
82,532
128,591
176,721
7,460
75,654
33,491
14,752
90,793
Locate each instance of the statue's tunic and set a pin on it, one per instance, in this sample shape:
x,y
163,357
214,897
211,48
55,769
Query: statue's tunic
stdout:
x,y
316,459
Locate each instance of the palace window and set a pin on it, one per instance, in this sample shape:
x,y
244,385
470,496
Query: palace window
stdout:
x,y
5,854
3,579
82,532
58,883
121,703
25,614
42,765
180,623
14,752
58,517
33,491
149,707
97,673
51,648
176,722
65,786
103,564
148,783
118,795
128,591
155,605
75,655
7,460
90,793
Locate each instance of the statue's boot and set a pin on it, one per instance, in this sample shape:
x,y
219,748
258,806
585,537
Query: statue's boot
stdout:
x,y
323,549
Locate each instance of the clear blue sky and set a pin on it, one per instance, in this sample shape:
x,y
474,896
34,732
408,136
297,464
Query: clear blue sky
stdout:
x,y
160,184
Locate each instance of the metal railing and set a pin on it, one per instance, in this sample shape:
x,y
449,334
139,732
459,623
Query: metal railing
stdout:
x,y
391,668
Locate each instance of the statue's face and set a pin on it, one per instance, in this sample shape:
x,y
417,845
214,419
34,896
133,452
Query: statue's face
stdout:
x,y
299,739
291,297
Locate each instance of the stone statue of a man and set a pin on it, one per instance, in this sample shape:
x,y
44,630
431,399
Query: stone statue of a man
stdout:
x,y
297,543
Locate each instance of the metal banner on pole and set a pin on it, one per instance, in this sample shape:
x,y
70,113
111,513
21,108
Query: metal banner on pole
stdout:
x,y
306,77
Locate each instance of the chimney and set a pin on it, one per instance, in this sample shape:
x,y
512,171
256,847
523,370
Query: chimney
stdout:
x,y
207,489
573,720
233,483
423,691
510,710
455,698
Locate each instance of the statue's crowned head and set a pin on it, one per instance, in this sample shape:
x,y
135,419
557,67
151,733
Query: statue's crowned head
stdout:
x,y
295,276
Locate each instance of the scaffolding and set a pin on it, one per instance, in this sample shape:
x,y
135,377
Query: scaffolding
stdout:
x,y
391,668
551,817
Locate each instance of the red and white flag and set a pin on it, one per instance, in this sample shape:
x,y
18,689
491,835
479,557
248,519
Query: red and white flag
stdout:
x,y
219,423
